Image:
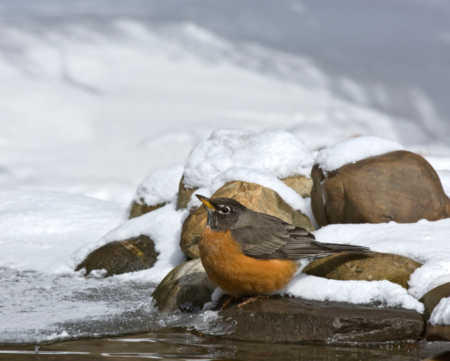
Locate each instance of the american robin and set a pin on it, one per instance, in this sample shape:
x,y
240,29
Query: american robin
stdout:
x,y
250,254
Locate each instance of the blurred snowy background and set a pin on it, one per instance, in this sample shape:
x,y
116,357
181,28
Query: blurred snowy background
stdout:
x,y
95,94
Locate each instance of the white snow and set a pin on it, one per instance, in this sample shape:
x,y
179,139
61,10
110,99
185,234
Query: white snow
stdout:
x,y
40,231
275,152
322,289
353,150
441,313
160,186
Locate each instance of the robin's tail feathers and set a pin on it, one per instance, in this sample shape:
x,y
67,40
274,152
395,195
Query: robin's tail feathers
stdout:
x,y
333,248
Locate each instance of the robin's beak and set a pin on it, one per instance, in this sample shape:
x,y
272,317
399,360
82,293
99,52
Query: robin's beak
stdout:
x,y
206,202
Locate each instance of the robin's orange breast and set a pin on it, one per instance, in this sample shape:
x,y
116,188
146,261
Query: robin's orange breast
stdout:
x,y
237,274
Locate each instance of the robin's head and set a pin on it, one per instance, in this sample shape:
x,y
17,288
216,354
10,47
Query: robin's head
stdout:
x,y
223,213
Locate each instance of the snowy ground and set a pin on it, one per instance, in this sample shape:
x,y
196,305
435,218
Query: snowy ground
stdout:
x,y
95,96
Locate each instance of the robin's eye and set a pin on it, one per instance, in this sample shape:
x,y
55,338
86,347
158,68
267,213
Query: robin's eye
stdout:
x,y
225,210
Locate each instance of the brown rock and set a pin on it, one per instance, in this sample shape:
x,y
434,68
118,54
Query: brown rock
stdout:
x,y
140,208
299,320
251,195
399,186
300,184
185,288
438,333
116,257
184,195
431,299
366,267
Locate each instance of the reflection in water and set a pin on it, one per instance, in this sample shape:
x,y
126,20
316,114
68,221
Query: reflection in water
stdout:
x,y
177,343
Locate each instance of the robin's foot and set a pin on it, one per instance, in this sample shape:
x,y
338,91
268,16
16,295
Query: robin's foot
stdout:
x,y
227,302
251,300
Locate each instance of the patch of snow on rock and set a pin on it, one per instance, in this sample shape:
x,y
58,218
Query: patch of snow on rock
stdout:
x,y
441,313
276,152
160,186
322,289
353,150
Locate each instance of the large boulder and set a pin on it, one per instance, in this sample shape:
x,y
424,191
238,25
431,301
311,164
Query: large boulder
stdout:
x,y
430,300
185,288
364,267
251,195
134,254
299,320
399,186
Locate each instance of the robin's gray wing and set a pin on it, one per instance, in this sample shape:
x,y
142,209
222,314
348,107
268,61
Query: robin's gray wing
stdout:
x,y
262,236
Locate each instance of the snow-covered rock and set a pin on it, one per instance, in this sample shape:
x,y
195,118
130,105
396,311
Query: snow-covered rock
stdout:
x,y
275,152
353,150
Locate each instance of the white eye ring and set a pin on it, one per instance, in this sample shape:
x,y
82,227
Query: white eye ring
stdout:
x,y
225,210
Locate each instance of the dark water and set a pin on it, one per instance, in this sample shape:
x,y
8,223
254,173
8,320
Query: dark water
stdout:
x,y
176,344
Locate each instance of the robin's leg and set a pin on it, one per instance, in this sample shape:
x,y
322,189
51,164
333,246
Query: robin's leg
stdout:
x,y
227,302
251,300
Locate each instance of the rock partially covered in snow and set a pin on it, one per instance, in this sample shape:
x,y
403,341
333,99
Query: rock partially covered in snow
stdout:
x,y
399,186
156,190
277,152
364,267
131,255
251,195
353,150
239,155
437,312
162,227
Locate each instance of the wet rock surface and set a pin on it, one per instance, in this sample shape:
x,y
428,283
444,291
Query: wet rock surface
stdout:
x,y
368,267
185,288
298,320
138,209
251,195
399,186
134,254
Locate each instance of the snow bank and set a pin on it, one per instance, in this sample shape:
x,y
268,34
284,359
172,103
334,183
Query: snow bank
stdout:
x,y
163,226
441,313
425,242
276,152
353,150
160,186
41,230
322,289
